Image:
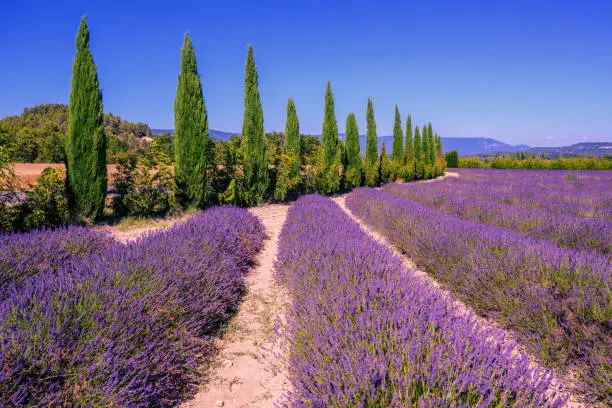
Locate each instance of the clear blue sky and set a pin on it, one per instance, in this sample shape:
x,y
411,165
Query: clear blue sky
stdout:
x,y
535,72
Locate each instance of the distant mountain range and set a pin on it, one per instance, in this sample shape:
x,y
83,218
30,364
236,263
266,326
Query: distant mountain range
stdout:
x,y
467,146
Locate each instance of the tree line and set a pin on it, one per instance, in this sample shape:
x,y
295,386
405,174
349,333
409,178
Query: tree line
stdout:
x,y
248,169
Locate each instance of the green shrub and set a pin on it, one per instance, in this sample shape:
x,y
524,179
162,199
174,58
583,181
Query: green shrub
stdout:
x,y
288,178
452,159
47,203
142,189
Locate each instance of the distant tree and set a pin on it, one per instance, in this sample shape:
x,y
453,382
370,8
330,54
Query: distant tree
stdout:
x,y
371,137
409,141
384,166
425,146
432,144
328,179
418,157
330,128
371,165
438,146
288,177
353,153
452,159
255,164
86,141
192,147
398,139
292,129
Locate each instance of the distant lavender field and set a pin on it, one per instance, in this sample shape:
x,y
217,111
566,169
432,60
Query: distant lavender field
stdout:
x,y
530,249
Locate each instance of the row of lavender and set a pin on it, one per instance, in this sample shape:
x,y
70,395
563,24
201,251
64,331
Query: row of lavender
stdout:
x,y
566,231
124,325
558,300
363,330
584,194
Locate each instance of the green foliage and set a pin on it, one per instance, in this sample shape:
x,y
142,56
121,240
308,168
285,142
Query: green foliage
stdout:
x,y
309,149
452,159
162,144
255,165
289,179
330,129
531,162
425,147
432,145
39,135
328,177
47,202
409,141
418,154
292,129
398,153
354,167
142,189
384,166
9,191
192,145
234,194
371,173
371,155
86,141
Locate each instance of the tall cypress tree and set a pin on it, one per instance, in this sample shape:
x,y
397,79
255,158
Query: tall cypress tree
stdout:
x,y
425,146
384,166
192,144
292,129
409,141
432,144
353,153
330,128
255,164
371,138
398,139
86,141
418,157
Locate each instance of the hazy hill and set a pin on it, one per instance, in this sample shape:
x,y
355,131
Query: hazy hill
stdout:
x,y
578,149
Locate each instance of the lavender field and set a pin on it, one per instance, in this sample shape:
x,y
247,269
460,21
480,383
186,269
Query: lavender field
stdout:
x,y
85,321
527,249
365,331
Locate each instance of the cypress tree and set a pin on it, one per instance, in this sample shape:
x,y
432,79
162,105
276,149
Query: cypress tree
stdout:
x,y
371,138
255,164
384,166
292,129
398,139
353,153
86,141
425,146
192,144
417,146
409,141
330,128
432,144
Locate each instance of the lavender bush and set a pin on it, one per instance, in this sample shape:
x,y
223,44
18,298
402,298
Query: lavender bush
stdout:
x,y
26,254
583,194
564,230
558,300
364,331
130,326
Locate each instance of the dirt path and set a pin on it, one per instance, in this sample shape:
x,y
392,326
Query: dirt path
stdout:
x,y
246,372
461,308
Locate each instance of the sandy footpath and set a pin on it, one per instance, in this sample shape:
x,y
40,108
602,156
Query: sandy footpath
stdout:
x,y
246,371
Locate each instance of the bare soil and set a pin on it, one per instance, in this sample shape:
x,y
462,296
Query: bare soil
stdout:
x,y
247,372
27,173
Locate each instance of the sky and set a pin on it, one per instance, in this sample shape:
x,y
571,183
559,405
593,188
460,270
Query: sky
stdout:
x,y
523,72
